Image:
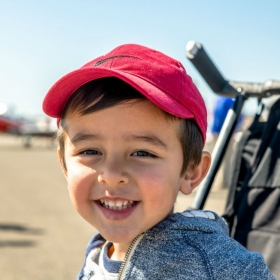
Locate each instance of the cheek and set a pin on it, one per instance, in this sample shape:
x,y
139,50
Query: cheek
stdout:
x,y
151,175
159,184
80,182
164,173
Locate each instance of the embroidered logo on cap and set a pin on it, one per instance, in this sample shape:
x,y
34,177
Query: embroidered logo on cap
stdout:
x,y
113,57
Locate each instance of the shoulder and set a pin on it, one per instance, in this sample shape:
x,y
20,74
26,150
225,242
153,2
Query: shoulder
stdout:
x,y
231,259
192,221
223,256
198,242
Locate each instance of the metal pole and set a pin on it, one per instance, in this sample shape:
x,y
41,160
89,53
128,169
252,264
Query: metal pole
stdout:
x,y
219,151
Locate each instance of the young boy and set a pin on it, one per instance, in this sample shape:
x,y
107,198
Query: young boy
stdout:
x,y
132,127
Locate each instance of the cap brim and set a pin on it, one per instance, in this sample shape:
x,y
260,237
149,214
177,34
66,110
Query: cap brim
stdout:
x,y
61,91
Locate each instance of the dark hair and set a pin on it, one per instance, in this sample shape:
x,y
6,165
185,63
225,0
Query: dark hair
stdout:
x,y
107,92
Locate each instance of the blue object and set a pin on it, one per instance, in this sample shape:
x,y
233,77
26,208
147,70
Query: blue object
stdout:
x,y
220,112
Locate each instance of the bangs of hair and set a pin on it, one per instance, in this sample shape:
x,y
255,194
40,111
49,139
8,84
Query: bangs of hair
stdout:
x,y
100,94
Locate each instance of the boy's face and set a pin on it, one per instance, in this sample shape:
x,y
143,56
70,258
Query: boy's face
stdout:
x,y
123,168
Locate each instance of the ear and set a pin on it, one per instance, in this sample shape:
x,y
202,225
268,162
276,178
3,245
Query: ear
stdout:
x,y
60,159
193,176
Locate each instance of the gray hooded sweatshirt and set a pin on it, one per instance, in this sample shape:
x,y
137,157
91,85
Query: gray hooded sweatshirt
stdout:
x,y
190,245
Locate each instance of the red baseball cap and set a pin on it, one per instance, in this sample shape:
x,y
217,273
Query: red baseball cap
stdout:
x,y
160,78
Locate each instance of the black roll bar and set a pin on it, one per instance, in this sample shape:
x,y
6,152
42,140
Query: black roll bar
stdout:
x,y
240,91
210,73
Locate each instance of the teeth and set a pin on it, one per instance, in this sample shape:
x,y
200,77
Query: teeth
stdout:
x,y
117,205
111,204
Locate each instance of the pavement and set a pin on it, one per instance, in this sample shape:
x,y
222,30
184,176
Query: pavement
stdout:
x,y
41,235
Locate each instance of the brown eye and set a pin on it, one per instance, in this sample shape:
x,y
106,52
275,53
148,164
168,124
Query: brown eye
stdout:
x,y
144,154
90,152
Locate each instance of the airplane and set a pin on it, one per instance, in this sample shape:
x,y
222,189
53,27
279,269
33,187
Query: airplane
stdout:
x,y
26,128
9,125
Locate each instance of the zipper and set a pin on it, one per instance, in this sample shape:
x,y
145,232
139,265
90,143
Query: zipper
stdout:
x,y
128,254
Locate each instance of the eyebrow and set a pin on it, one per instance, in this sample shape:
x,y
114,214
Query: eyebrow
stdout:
x,y
152,139
82,137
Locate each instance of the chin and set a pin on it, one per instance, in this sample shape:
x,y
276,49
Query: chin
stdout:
x,y
120,237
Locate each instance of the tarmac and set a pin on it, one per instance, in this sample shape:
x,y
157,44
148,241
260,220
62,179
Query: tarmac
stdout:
x,y
41,235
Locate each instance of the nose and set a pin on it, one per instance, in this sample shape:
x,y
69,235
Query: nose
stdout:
x,y
113,174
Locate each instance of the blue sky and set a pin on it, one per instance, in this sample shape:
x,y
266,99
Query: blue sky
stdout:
x,y
43,40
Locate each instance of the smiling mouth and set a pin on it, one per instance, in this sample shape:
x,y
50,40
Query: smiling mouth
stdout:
x,y
117,205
